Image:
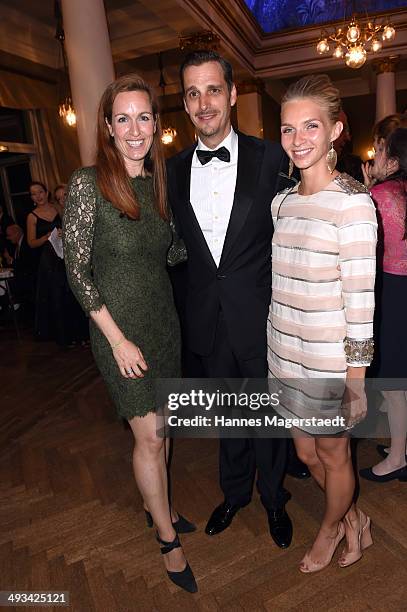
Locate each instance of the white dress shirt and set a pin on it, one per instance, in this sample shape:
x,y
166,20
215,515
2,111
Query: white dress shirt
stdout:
x,y
212,191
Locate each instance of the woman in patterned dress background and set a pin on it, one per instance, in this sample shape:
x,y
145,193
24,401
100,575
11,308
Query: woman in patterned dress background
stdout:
x,y
387,180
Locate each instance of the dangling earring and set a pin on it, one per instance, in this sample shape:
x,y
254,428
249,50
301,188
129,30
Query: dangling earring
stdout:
x,y
331,158
290,168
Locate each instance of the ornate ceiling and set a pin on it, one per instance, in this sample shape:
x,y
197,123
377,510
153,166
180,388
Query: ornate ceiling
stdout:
x,y
278,15
140,29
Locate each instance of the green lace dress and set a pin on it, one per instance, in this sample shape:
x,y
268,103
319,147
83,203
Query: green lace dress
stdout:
x,y
121,263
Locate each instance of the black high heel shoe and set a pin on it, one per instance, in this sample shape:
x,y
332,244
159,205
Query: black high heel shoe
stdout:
x,y
180,526
185,579
369,474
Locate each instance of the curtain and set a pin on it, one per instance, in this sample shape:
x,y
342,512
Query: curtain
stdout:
x,y
44,165
18,91
57,145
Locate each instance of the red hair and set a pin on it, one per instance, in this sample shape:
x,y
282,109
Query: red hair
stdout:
x,y
112,178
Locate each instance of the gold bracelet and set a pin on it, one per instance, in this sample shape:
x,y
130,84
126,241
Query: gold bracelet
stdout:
x,y
114,346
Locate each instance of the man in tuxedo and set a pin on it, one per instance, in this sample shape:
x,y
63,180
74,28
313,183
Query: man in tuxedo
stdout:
x,y
220,191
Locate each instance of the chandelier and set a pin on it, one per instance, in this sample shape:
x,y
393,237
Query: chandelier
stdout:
x,y
65,109
354,40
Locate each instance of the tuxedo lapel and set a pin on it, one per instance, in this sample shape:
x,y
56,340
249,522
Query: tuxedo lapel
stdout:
x,y
190,222
183,176
248,167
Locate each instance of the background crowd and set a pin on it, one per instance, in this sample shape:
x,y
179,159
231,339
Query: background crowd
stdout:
x,y
39,287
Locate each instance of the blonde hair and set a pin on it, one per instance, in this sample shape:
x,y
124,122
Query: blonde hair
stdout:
x,y
320,88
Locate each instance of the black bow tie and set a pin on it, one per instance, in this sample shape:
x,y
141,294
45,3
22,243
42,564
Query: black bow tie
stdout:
x,y
205,156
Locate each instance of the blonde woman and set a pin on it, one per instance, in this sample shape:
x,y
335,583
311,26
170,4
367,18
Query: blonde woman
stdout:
x,y
321,317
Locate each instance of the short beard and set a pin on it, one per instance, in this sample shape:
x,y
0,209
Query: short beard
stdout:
x,y
208,131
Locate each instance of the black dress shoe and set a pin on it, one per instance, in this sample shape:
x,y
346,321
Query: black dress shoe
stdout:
x,y
221,518
381,449
298,469
368,474
281,527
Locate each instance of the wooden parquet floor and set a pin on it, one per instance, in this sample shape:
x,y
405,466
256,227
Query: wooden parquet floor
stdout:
x,y
71,518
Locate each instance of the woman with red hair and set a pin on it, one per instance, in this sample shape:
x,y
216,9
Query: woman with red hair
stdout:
x,y
116,238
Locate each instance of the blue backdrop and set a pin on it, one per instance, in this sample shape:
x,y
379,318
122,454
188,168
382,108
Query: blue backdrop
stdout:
x,y
275,15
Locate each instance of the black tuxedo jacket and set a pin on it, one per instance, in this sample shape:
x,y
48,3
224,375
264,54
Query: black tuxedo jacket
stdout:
x,y
241,285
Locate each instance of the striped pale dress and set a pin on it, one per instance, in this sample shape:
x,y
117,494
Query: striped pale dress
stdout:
x,y
321,313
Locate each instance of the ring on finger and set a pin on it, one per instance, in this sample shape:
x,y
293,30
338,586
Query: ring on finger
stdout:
x,y
129,371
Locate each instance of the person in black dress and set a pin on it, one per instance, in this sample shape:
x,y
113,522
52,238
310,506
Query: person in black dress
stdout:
x,y
78,325
50,312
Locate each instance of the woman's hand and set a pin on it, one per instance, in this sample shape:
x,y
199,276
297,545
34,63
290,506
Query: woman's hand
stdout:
x,y
354,403
368,179
128,356
130,359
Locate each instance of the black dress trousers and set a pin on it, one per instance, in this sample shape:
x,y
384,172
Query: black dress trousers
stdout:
x,y
240,458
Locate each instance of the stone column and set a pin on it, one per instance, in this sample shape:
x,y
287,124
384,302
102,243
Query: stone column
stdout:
x,y
385,69
249,107
91,68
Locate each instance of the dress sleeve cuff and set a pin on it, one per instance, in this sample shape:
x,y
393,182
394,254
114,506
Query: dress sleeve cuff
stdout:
x,y
177,252
91,301
359,353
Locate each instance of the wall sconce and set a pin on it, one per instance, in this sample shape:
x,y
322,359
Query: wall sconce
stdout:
x,y
168,135
168,132
67,112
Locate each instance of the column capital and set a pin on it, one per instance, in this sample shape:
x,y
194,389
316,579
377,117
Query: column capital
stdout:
x,y
199,40
385,64
250,86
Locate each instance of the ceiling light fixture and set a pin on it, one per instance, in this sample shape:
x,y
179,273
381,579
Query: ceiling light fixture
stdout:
x,y
168,133
65,109
354,40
